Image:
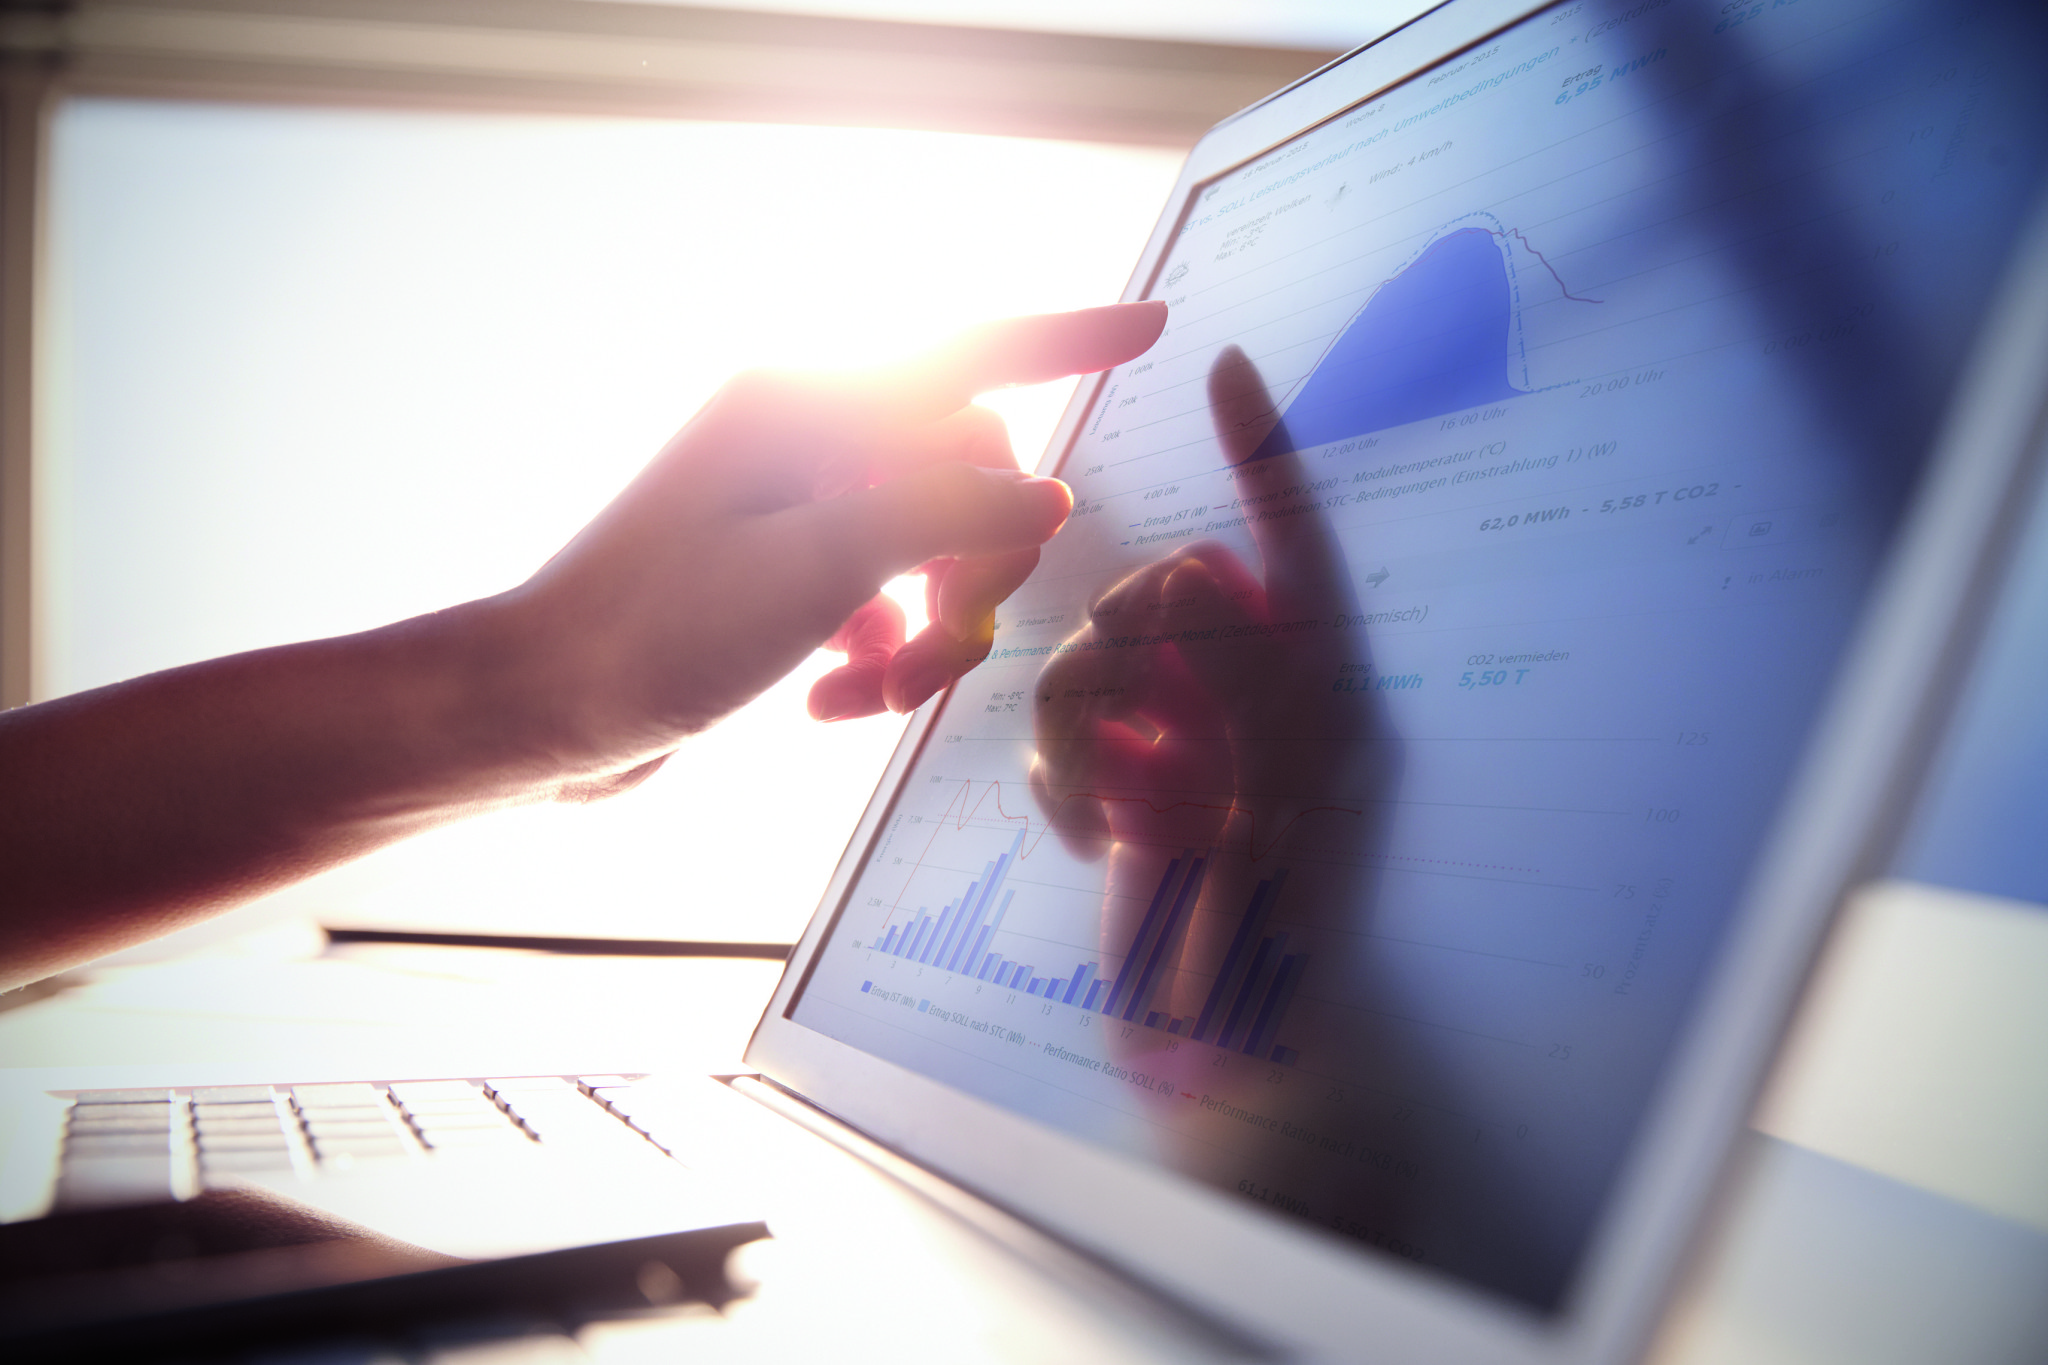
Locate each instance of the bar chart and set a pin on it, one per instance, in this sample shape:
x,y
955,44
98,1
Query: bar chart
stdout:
x,y
1243,1011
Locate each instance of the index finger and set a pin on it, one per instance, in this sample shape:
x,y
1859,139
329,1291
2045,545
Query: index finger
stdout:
x,y
1026,350
1304,565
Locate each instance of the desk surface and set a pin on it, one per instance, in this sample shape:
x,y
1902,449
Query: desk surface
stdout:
x,y
1893,1207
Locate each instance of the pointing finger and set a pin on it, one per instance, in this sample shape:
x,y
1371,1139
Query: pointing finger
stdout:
x,y
1027,350
1304,566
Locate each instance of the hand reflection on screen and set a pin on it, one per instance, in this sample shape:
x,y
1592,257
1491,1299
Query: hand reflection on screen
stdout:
x,y
1215,712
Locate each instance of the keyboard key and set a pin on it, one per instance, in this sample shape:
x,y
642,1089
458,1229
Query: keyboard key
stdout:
x,y
224,1172
336,1142
507,1137
231,1094
358,1092
363,1150
82,1127
222,1127
479,1109
244,1142
341,1131
262,1110
244,1163
529,1085
247,1159
123,1097
101,1181
545,1121
116,1144
159,1111
410,1093
475,1106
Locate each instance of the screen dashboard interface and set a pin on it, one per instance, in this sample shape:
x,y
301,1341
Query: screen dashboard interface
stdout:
x,y
1351,805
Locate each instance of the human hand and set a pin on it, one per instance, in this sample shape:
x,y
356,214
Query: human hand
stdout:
x,y
1229,698
767,526
1230,728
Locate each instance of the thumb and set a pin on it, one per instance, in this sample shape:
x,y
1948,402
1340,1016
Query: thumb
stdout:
x,y
944,510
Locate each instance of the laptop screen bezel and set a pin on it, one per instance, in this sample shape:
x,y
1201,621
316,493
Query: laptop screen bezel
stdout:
x,y
1305,1289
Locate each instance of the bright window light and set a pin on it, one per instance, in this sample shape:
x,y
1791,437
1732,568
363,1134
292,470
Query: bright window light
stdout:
x,y
314,370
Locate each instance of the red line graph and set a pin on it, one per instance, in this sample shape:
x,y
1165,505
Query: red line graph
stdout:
x,y
966,813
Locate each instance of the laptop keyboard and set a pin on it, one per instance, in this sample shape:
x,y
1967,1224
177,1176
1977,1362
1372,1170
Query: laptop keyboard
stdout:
x,y
138,1146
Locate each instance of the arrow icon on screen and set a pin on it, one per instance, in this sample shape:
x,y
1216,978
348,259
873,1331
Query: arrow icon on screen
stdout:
x,y
1375,579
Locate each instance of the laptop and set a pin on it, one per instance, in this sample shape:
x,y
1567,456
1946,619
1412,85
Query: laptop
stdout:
x,y
1358,895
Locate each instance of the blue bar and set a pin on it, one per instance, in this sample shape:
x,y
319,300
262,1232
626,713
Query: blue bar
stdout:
x,y
993,882
1275,1008
1082,976
1152,1019
1234,960
945,917
970,953
1037,983
1055,987
967,905
1248,990
1176,1025
1094,992
1130,965
988,932
1189,890
924,927
988,964
889,943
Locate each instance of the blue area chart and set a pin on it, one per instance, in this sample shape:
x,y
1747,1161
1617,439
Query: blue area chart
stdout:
x,y
1431,340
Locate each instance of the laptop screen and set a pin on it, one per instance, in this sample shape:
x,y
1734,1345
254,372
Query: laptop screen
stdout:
x,y
1352,804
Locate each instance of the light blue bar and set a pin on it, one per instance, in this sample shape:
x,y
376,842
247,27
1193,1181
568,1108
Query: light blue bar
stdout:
x,y
962,955
924,954
1082,976
988,964
944,956
970,919
997,872
970,954
924,927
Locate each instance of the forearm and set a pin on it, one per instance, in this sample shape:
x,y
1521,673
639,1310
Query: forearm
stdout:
x,y
132,809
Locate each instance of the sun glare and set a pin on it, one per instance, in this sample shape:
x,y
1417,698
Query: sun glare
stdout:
x,y
317,370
